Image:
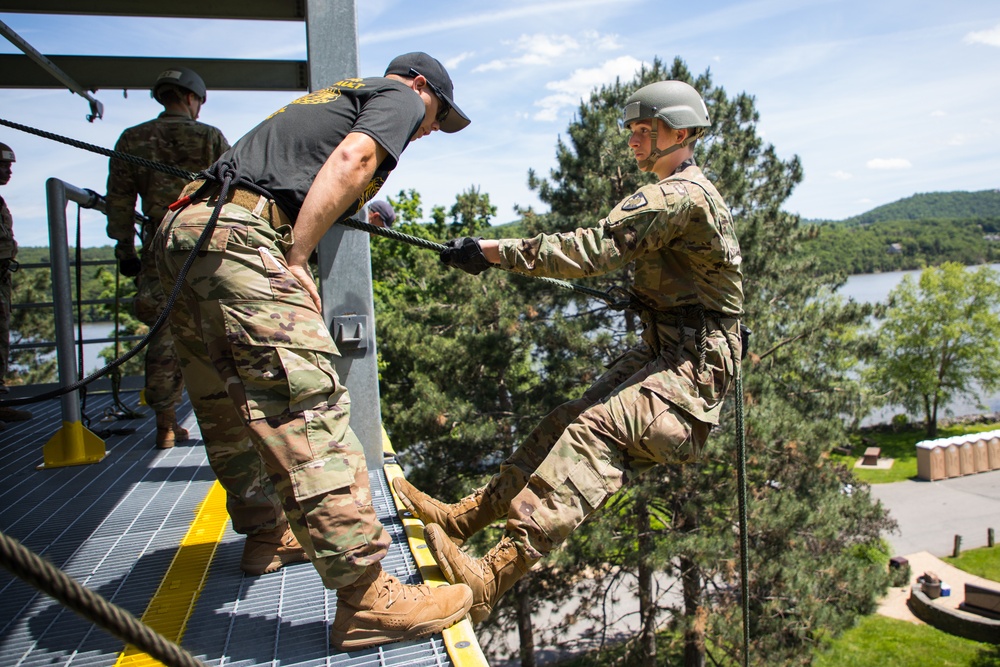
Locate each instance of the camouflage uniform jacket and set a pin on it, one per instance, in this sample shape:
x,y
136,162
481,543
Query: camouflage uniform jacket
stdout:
x,y
681,236
171,139
8,246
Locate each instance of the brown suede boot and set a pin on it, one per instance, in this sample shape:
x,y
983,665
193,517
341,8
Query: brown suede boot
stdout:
x,y
489,577
460,520
271,550
377,609
168,431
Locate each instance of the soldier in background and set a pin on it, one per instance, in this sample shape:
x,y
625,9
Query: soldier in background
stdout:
x,y
658,402
8,264
174,138
381,213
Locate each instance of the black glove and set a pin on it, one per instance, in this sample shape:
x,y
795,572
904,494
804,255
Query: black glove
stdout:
x,y
464,253
128,262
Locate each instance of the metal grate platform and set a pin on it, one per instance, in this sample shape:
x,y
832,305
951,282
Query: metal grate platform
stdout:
x,y
115,526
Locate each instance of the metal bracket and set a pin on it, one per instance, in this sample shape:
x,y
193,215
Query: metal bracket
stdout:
x,y
350,332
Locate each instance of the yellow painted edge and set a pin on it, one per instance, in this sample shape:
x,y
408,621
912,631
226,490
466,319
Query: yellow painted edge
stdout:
x,y
171,606
460,639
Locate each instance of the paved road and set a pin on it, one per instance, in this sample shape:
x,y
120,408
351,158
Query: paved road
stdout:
x,y
930,514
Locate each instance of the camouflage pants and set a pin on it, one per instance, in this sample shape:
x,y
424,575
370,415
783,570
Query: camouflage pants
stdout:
x,y
164,381
582,452
6,281
256,358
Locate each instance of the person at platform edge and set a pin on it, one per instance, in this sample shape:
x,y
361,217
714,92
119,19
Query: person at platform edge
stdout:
x,y
257,354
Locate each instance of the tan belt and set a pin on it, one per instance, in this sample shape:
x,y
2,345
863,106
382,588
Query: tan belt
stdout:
x,y
257,204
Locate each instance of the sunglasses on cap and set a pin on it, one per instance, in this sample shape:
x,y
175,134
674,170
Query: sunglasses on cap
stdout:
x,y
444,107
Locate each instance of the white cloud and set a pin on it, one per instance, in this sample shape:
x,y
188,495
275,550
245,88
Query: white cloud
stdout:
x,y
541,50
958,140
581,82
842,175
938,114
595,40
989,37
482,18
454,62
888,163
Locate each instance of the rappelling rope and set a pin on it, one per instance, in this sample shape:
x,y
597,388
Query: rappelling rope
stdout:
x,y
52,581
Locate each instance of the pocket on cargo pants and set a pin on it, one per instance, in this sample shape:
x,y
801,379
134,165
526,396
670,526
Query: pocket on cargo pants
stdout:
x,y
299,414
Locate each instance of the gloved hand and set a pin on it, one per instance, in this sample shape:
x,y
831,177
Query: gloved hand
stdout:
x,y
128,261
464,253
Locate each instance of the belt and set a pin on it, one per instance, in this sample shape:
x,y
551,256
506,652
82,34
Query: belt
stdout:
x,y
257,204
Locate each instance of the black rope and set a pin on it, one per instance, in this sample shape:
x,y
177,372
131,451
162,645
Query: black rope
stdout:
x,y
52,581
79,313
431,245
227,176
741,481
142,162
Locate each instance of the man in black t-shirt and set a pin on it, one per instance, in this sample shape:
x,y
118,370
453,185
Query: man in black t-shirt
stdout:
x,y
257,355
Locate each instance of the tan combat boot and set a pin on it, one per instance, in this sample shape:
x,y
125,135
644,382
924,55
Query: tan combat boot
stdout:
x,y
168,431
377,609
489,577
460,520
271,550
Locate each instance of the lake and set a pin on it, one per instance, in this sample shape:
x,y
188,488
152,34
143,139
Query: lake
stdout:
x,y
91,359
875,287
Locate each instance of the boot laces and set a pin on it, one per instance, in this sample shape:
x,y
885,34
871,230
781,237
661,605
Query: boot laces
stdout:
x,y
397,590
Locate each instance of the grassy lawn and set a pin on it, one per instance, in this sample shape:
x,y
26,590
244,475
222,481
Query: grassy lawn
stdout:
x,y
901,448
887,642
984,562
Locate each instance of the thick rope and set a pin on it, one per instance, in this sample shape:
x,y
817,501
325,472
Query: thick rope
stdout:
x,y
46,577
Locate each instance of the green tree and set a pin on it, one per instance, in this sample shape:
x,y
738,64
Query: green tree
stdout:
x,y
940,340
31,324
120,290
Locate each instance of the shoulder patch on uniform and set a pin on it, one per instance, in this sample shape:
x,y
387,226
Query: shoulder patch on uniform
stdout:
x,y
638,200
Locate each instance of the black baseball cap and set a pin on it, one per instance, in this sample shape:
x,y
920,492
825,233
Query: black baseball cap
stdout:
x,y
419,63
385,211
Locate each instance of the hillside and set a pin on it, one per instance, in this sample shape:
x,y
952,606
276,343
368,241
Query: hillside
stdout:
x,y
984,204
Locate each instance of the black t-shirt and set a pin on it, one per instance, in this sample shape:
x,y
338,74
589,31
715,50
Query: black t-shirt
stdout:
x,y
284,153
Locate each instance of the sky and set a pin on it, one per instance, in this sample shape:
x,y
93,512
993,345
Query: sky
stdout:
x,y
879,99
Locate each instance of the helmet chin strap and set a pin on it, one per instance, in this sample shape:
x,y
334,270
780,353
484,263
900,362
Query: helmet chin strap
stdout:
x,y
655,153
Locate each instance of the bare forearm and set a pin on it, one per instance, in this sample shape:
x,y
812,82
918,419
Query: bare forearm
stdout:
x,y
338,184
491,249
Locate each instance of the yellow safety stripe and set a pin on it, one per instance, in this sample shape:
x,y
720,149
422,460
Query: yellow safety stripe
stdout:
x,y
460,639
172,604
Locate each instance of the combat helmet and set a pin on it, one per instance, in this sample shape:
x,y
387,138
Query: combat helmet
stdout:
x,y
181,77
677,104
6,153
